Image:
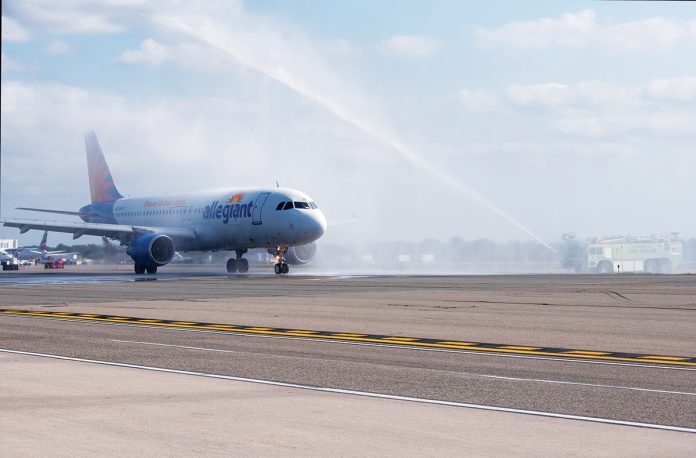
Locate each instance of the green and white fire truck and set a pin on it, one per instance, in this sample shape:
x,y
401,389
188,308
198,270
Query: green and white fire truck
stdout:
x,y
655,253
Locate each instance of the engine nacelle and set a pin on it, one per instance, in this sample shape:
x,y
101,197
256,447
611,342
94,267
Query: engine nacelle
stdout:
x,y
152,249
300,254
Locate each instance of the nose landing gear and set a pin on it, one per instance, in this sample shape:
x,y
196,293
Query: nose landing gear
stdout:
x,y
238,264
281,267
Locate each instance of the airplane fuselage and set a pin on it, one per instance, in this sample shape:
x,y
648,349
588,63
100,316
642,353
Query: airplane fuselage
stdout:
x,y
226,220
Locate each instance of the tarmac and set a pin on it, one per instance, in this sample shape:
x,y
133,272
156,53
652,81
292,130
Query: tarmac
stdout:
x,y
349,364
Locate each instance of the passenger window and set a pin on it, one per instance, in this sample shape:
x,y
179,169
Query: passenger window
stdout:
x,y
288,206
280,206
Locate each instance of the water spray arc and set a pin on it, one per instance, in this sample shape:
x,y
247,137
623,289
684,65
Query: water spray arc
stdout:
x,y
280,75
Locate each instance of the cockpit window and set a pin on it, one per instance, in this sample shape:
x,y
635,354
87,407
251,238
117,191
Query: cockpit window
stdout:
x,y
280,206
313,205
288,206
304,205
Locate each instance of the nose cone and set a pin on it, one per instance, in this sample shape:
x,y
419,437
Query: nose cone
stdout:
x,y
314,225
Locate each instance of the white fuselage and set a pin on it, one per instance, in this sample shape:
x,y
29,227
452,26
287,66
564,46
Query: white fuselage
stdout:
x,y
230,219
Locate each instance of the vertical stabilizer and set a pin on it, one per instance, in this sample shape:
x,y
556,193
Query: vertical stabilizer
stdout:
x,y
42,245
101,184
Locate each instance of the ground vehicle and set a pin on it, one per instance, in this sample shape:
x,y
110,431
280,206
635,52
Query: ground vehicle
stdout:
x,y
57,264
656,253
10,264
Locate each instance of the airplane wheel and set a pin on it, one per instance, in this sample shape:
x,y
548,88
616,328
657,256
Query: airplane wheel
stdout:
x,y
278,269
139,268
285,268
243,265
151,269
231,265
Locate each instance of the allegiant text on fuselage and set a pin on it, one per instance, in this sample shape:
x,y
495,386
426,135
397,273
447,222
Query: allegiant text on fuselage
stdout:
x,y
228,211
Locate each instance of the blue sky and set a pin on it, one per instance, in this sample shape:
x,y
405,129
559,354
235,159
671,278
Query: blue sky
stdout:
x,y
501,120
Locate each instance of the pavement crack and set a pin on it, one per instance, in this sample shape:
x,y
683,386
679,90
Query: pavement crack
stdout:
x,y
616,296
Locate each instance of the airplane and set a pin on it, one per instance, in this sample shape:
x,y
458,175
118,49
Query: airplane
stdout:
x,y
5,256
31,253
153,228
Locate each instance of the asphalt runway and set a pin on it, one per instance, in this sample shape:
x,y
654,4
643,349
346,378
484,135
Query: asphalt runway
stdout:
x,y
611,348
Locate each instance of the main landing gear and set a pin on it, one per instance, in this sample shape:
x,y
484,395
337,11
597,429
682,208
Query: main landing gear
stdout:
x,y
142,268
239,264
281,267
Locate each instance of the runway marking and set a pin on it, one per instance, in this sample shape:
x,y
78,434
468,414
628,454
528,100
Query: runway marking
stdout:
x,y
185,347
666,358
594,385
396,341
362,393
498,377
385,344
586,352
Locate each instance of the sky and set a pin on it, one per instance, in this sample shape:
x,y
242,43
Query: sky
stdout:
x,y
498,120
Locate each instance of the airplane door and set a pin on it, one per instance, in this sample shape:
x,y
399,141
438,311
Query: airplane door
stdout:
x,y
258,206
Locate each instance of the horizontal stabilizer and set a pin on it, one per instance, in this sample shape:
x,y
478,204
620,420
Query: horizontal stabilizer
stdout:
x,y
60,212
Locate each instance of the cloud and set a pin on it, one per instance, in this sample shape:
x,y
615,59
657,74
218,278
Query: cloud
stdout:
x,y
149,53
606,124
555,95
596,108
679,88
74,16
582,29
411,46
57,47
12,31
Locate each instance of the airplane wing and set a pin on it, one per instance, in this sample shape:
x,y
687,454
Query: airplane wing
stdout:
x,y
122,232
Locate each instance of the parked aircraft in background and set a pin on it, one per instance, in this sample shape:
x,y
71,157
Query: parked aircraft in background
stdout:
x,y
154,228
38,254
5,256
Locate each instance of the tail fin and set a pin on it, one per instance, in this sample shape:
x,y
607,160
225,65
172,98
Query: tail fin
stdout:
x,y
101,184
42,245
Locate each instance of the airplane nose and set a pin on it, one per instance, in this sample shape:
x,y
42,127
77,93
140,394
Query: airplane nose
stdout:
x,y
315,225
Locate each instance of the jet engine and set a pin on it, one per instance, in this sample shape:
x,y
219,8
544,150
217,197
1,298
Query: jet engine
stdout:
x,y
300,254
152,250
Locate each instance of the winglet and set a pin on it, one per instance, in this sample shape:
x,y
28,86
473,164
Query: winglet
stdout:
x,y
101,184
